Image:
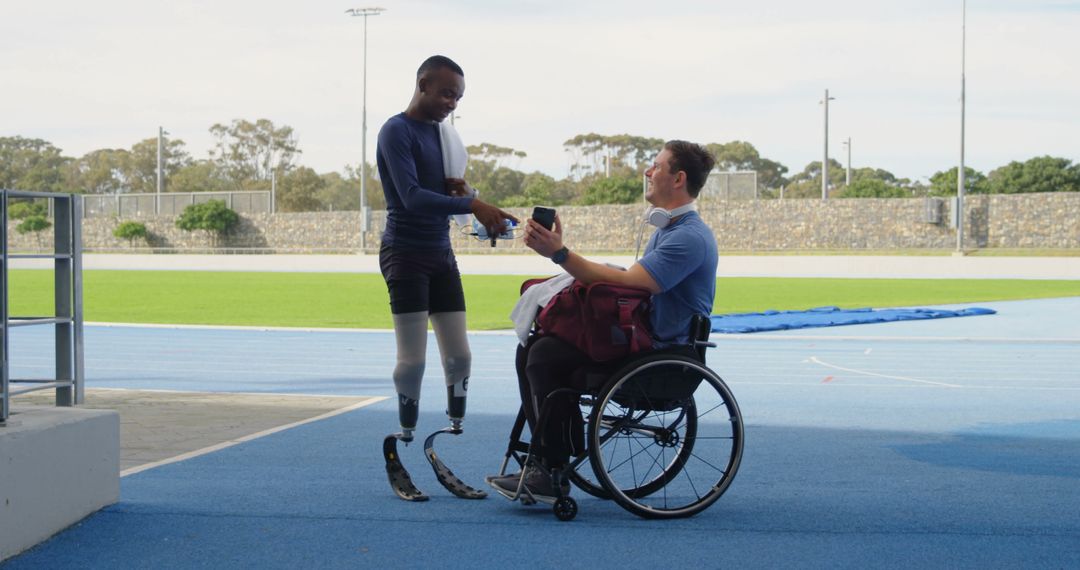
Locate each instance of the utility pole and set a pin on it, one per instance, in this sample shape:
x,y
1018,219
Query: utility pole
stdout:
x,y
825,159
160,169
847,143
960,172
273,179
364,214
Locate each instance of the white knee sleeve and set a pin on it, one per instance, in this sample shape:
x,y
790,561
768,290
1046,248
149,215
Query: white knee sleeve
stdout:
x,y
410,330
453,342
453,346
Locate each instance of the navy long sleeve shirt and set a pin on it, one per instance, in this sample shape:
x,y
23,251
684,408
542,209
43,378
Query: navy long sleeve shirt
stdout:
x,y
409,158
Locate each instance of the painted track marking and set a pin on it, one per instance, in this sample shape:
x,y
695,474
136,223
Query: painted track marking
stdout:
x,y
815,360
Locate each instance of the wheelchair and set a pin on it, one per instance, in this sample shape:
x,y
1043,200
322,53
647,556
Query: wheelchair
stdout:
x,y
663,434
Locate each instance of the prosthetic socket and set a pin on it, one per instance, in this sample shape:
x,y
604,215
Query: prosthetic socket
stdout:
x,y
409,407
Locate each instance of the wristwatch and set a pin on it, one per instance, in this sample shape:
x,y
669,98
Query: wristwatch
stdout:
x,y
561,255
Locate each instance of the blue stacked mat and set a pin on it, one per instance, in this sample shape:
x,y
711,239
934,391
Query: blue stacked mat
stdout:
x,y
829,317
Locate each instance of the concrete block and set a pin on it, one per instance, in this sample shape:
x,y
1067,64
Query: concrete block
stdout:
x,y
57,465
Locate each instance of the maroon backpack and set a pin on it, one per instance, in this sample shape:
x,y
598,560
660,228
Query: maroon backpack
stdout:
x,y
604,320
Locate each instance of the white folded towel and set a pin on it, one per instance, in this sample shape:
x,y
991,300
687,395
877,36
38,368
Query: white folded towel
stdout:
x,y
532,300
454,158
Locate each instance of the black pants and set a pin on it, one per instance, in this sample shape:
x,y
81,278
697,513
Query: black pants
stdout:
x,y
543,366
547,364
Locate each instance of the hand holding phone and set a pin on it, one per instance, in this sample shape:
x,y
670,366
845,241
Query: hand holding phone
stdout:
x,y
544,216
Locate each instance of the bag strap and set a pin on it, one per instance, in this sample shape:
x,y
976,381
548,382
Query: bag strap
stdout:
x,y
626,321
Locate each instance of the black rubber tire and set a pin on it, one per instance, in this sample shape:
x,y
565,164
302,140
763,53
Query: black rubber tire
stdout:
x,y
586,484
594,488
631,499
565,508
582,477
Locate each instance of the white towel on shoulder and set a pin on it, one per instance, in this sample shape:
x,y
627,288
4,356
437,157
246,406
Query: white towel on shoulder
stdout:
x,y
454,159
532,300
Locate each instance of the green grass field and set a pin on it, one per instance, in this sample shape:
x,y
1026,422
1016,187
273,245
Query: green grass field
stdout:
x,y
360,300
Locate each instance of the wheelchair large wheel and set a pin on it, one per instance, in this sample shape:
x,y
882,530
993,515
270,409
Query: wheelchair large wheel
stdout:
x,y
581,473
665,437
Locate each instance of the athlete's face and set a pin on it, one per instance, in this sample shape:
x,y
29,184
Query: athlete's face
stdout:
x,y
661,179
440,91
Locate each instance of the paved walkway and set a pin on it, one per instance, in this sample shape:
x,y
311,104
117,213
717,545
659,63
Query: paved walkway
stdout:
x,y
163,426
855,266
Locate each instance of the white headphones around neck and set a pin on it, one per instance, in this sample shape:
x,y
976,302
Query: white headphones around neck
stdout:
x,y
661,218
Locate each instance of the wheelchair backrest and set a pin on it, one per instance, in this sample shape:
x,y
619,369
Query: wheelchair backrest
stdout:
x,y
700,327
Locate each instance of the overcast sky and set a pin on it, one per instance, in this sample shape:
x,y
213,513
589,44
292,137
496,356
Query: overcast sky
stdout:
x,y
107,73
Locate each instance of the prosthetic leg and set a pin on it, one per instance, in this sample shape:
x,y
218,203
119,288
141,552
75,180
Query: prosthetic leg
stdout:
x,y
410,329
457,362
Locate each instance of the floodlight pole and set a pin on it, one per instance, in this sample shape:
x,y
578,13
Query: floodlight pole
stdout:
x,y
364,12
963,95
825,160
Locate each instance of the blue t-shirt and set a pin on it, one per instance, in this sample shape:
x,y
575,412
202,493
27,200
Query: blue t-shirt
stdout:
x,y
409,158
682,259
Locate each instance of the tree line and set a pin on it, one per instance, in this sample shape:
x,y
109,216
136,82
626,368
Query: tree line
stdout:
x,y
608,170
247,155
604,169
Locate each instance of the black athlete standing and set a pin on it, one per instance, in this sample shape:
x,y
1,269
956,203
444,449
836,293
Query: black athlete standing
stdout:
x,y
416,259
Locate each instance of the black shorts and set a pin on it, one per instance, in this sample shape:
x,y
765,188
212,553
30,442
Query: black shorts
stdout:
x,y
421,280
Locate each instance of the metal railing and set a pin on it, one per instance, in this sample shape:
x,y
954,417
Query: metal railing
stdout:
x,y
173,203
67,317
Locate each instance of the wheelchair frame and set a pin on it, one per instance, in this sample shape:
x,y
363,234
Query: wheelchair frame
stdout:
x,y
651,400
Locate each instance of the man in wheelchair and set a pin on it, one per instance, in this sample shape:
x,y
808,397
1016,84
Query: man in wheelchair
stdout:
x,y
679,269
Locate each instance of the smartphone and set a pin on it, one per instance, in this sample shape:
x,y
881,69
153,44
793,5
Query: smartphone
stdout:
x,y
544,216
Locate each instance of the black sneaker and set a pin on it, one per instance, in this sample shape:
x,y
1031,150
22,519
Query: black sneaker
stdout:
x,y
540,486
506,485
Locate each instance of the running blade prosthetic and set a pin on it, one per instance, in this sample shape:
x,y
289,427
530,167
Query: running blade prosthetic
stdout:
x,y
400,481
443,473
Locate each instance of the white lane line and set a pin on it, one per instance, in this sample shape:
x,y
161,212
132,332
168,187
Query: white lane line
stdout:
x,y
239,440
900,386
497,332
914,339
815,360
264,394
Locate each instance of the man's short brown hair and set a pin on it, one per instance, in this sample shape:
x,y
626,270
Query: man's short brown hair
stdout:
x,y
694,160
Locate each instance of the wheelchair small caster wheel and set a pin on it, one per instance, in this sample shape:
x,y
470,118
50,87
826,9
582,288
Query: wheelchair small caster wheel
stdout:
x,y
565,508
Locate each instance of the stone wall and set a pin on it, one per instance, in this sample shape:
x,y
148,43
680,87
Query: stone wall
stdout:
x,y
1000,221
1045,220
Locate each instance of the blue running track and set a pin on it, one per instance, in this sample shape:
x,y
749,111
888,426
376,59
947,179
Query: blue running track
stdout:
x,y
945,443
